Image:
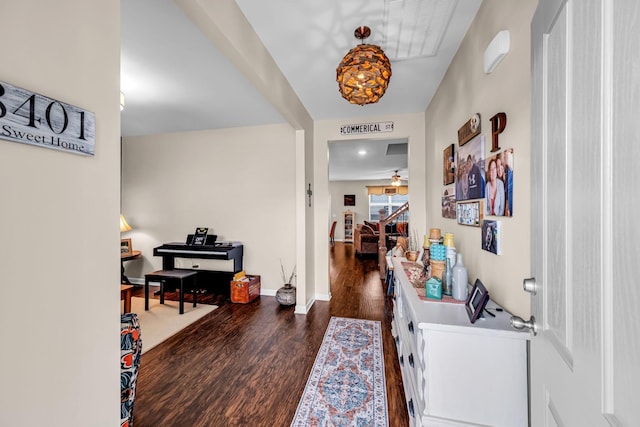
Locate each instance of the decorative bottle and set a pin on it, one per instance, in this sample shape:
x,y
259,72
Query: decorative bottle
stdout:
x,y
447,279
451,248
460,280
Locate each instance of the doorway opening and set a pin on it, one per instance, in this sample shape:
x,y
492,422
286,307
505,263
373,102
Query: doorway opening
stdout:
x,y
355,168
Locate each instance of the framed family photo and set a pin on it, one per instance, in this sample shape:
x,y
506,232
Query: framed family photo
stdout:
x,y
470,170
125,247
499,184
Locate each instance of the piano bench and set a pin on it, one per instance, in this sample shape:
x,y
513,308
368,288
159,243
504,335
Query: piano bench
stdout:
x,y
163,276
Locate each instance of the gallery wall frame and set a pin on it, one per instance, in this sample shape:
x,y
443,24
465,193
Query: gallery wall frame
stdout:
x,y
449,202
470,179
448,165
503,166
469,213
349,199
492,236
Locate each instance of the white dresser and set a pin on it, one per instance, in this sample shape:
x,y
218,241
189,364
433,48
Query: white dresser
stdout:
x,y
456,373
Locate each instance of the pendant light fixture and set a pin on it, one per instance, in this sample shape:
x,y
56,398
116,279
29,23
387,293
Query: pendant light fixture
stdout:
x,y
364,73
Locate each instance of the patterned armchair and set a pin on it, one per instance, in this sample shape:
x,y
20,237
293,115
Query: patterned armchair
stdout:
x,y
130,351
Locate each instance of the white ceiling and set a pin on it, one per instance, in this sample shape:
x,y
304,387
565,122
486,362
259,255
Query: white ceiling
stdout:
x,y
175,79
368,159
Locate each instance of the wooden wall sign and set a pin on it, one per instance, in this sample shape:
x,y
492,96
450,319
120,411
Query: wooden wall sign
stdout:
x,y
30,118
470,129
498,123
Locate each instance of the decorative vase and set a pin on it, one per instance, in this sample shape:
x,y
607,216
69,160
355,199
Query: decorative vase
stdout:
x,y
460,277
286,295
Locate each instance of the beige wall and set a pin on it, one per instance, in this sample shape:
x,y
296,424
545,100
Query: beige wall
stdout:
x,y
59,268
239,182
338,189
465,90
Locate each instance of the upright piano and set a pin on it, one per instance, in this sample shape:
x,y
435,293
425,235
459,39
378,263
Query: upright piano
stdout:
x,y
214,277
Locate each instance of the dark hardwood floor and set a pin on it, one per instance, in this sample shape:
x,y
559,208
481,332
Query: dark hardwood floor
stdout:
x,y
247,364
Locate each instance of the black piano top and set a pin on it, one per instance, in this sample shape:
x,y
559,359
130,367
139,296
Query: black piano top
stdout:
x,y
219,250
217,246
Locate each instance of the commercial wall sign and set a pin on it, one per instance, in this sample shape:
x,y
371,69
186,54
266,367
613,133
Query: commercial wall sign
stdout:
x,y
34,119
360,128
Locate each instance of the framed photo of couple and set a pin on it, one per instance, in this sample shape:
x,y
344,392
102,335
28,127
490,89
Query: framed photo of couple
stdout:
x,y
499,185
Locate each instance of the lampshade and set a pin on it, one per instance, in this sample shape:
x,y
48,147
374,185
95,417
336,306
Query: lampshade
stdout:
x,y
124,226
364,73
395,180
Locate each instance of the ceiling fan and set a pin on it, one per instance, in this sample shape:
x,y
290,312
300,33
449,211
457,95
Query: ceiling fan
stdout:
x,y
396,181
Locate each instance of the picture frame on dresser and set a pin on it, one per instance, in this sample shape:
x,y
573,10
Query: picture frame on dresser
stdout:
x,y
476,301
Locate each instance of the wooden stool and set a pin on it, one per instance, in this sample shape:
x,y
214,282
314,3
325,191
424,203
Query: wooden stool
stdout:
x,y
163,276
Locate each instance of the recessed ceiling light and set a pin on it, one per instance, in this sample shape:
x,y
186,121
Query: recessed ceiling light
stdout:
x,y
362,152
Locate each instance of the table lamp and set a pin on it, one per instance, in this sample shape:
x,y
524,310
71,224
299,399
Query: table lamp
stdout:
x,y
124,226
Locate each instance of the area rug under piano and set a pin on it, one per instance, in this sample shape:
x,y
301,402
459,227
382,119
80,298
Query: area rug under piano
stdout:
x,y
346,386
163,321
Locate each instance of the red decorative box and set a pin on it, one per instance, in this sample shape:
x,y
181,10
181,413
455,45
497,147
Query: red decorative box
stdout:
x,y
245,289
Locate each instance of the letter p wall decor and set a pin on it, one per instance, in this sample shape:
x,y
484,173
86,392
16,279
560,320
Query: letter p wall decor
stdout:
x,y
498,123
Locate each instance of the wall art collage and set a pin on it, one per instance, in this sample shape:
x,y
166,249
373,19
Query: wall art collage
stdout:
x,y
478,186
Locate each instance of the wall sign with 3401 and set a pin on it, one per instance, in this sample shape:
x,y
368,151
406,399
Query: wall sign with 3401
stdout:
x,y
34,119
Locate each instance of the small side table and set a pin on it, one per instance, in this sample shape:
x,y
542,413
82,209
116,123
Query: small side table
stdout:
x,y
127,257
125,294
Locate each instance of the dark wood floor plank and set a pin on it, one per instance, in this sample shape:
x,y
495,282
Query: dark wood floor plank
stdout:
x,y
247,364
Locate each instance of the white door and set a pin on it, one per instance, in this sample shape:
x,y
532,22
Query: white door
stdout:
x,y
585,238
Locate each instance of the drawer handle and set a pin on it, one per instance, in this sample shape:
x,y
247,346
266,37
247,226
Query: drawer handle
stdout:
x,y
410,326
411,360
401,360
411,410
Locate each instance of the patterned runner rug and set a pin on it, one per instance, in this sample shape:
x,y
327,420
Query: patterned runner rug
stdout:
x,y
346,386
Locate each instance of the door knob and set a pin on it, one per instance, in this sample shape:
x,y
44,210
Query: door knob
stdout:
x,y
519,323
529,285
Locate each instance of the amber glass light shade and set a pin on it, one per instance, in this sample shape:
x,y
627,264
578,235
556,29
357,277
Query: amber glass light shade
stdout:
x,y
364,73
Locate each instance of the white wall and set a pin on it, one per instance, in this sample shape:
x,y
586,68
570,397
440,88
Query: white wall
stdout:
x,y
59,270
239,182
338,189
465,90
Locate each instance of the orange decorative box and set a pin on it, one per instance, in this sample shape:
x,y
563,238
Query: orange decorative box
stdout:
x,y
245,289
